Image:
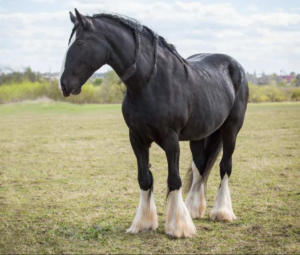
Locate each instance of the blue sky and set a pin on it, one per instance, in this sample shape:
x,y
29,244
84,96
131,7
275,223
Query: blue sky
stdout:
x,y
262,35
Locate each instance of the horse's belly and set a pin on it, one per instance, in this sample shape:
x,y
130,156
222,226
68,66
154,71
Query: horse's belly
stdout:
x,y
196,132
201,126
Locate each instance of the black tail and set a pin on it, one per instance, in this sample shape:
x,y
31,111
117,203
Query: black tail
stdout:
x,y
212,145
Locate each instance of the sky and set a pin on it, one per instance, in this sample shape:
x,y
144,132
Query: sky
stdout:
x,y
263,35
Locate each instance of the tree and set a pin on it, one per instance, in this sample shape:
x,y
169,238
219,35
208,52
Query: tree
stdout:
x,y
111,77
296,95
297,83
284,82
97,82
293,82
29,75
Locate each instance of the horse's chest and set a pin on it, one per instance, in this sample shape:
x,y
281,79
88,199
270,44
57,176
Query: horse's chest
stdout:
x,y
145,120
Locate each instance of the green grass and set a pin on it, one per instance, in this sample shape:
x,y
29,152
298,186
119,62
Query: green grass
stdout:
x,y
68,184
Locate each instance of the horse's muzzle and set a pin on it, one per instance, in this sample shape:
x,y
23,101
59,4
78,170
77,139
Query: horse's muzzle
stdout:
x,y
68,89
76,91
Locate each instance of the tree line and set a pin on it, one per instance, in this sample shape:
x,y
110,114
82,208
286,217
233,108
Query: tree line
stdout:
x,y
274,79
29,85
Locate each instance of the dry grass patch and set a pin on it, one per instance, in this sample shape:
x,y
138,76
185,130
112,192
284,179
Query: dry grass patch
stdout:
x,y
68,184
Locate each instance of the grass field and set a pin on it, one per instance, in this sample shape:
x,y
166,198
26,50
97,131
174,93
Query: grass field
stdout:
x,y
68,184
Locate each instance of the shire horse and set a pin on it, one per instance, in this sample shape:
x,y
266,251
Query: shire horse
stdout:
x,y
201,99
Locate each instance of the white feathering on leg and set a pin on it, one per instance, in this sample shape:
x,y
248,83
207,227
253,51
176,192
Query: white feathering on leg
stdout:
x,y
223,206
179,222
195,202
146,217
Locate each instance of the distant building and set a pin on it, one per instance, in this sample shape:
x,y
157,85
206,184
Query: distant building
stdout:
x,y
288,78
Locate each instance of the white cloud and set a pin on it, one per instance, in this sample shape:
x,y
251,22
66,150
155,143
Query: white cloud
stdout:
x,y
43,1
253,8
259,40
275,19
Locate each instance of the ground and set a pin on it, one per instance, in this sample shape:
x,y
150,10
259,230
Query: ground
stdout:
x,y
68,184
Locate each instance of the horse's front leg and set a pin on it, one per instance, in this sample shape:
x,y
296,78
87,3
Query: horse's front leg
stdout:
x,y
178,219
146,217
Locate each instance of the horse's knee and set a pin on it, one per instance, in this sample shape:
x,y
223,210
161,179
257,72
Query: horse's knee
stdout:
x,y
201,165
225,167
146,181
174,182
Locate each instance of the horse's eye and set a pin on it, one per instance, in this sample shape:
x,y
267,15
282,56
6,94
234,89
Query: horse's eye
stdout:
x,y
79,43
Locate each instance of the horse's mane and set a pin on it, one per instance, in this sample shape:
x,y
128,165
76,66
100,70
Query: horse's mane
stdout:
x,y
135,24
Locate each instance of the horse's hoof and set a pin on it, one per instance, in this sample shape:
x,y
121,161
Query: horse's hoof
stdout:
x,y
223,207
222,214
146,217
141,226
181,231
179,222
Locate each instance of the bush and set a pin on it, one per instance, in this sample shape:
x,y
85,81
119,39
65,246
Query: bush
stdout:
x,y
296,95
259,94
88,95
106,92
23,91
110,93
256,94
274,94
97,82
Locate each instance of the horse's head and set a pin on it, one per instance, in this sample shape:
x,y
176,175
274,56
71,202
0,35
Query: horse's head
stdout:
x,y
86,53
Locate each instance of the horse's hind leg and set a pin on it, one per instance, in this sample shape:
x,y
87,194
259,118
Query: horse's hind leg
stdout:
x,y
223,207
195,202
204,153
146,217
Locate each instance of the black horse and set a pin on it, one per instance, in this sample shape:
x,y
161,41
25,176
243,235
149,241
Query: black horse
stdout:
x,y
202,99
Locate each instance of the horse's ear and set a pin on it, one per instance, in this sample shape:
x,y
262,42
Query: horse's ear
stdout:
x,y
81,19
73,18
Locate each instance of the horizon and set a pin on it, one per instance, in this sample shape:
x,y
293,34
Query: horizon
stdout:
x,y
263,37
257,73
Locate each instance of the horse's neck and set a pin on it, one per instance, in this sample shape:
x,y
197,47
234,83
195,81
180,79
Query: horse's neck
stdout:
x,y
123,56
122,49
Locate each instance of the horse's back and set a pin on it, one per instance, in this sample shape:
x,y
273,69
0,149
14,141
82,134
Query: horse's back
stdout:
x,y
209,59
219,84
